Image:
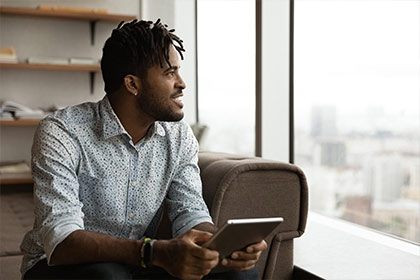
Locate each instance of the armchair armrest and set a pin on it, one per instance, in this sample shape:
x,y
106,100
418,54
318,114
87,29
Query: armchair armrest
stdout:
x,y
244,187
248,187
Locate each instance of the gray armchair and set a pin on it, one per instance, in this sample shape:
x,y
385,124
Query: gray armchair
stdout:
x,y
247,187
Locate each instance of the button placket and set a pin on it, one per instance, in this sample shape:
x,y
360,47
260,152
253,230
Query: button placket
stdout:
x,y
130,210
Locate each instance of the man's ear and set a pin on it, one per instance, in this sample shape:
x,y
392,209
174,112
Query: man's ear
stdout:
x,y
132,84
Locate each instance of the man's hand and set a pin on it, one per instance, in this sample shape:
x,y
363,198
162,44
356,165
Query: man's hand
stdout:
x,y
245,260
182,257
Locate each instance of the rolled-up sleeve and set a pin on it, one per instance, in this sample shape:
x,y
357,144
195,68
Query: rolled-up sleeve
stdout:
x,y
186,207
58,209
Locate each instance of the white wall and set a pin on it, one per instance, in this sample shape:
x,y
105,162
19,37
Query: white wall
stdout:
x,y
56,38
185,28
163,9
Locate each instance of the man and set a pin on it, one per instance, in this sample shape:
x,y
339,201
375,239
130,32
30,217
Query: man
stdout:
x,y
102,171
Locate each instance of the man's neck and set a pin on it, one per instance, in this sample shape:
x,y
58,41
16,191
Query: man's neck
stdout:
x,y
134,122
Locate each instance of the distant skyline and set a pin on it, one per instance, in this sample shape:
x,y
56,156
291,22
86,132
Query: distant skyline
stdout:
x,y
367,120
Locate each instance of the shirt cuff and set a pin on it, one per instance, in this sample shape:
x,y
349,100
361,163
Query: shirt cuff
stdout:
x,y
185,223
56,234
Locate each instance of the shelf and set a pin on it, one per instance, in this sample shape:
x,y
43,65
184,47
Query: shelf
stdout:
x,y
22,122
65,67
60,14
32,12
16,178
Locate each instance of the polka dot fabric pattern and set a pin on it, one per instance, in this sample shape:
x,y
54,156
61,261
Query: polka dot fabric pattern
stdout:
x,y
88,174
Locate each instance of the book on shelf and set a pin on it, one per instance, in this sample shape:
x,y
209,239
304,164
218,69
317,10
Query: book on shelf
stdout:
x,y
47,60
6,116
19,111
62,60
10,167
8,55
72,9
82,60
33,115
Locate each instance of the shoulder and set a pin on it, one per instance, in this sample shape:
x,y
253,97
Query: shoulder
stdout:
x,y
71,116
80,113
61,125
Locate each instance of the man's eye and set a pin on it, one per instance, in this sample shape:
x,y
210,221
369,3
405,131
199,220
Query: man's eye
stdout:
x,y
171,73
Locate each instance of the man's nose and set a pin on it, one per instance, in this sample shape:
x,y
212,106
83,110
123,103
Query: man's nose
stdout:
x,y
180,83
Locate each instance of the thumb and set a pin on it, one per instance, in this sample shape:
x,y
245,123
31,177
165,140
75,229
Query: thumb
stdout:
x,y
198,236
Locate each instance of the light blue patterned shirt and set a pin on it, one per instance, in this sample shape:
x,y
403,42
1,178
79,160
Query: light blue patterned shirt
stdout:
x,y
88,174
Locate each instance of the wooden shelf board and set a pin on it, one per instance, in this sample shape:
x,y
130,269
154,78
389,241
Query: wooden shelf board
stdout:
x,y
32,12
66,67
21,122
16,178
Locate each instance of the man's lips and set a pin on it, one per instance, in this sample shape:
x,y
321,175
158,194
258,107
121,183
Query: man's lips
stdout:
x,y
177,98
177,93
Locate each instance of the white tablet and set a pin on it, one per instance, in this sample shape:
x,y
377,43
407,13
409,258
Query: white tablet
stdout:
x,y
238,234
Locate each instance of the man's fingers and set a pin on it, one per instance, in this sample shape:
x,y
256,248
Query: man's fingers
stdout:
x,y
260,246
202,258
241,255
204,253
239,264
249,267
198,236
193,261
194,237
241,260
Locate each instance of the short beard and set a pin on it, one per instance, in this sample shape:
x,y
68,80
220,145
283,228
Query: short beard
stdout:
x,y
153,107
160,114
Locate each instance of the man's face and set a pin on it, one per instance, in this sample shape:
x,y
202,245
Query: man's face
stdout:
x,y
161,93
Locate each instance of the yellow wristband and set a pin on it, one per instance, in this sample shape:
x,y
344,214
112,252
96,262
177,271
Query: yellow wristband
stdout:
x,y
145,240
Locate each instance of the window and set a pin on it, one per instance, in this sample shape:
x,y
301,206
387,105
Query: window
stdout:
x,y
226,74
357,125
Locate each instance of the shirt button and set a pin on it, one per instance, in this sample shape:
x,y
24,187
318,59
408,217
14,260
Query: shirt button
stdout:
x,y
131,215
133,183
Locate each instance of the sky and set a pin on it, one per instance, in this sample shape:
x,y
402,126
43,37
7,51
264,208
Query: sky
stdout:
x,y
358,55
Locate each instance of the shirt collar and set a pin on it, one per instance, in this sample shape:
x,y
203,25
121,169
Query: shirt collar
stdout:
x,y
158,129
112,125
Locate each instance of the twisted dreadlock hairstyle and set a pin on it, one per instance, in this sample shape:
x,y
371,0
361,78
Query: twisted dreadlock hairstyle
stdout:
x,y
133,48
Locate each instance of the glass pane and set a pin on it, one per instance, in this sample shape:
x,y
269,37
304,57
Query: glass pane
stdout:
x,y
357,128
226,75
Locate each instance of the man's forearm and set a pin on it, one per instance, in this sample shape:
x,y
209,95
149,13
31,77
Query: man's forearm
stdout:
x,y
83,246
